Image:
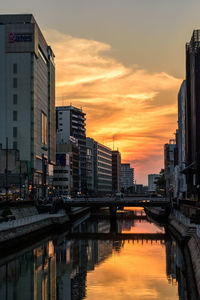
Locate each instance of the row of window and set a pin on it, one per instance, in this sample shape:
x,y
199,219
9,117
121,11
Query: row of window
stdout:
x,y
60,171
60,179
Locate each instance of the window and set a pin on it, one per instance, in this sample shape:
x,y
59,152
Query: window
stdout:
x,y
14,132
14,83
44,129
15,145
14,115
14,68
15,99
60,113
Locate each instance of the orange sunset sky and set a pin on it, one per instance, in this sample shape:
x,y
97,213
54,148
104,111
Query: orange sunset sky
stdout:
x,y
123,63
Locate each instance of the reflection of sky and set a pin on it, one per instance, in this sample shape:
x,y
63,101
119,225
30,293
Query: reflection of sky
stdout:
x,y
136,272
143,227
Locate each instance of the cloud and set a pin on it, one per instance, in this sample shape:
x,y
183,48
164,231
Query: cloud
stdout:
x,y
126,106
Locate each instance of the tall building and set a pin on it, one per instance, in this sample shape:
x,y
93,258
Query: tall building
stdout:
x,y
116,171
99,167
169,164
67,167
127,176
182,187
192,128
151,182
27,96
70,122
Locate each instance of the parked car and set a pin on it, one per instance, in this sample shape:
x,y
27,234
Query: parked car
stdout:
x,y
66,198
119,196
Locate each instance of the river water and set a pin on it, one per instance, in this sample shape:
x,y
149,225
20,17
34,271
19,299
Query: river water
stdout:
x,y
94,262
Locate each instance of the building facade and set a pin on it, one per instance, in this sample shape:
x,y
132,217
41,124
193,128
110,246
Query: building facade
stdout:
x,y
192,128
70,122
169,165
182,186
127,176
99,167
27,96
70,150
116,171
151,182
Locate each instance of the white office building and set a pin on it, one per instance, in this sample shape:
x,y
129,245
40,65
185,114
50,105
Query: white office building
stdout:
x,y
27,96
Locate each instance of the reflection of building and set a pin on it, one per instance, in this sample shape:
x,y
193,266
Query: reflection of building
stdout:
x,y
127,176
175,268
70,122
44,272
27,95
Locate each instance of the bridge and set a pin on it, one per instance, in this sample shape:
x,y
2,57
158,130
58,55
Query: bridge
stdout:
x,y
113,202
117,236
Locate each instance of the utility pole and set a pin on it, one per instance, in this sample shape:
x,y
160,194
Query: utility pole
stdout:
x,y
20,179
6,169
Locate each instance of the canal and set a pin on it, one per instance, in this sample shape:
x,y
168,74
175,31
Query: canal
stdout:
x,y
133,260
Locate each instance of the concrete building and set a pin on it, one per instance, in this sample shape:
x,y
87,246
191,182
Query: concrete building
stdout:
x,y
67,163
181,181
70,122
169,165
151,182
127,176
192,129
27,96
116,171
99,167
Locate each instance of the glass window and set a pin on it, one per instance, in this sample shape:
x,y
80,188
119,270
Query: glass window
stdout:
x,y
14,83
14,68
15,145
44,129
14,115
15,99
14,132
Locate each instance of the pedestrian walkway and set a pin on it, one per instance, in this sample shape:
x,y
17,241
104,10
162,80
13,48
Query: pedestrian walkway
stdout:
x,y
29,220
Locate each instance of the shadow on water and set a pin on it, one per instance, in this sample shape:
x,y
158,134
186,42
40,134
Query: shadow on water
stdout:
x,y
97,253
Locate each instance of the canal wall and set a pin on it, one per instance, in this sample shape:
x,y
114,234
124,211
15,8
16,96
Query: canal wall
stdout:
x,y
190,244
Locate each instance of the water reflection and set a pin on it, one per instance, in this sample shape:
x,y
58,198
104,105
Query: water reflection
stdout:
x,y
75,269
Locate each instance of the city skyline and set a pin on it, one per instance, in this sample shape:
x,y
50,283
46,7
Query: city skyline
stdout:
x,y
127,86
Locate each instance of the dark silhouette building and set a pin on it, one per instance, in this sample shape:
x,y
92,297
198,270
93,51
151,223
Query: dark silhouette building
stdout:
x,y
116,171
192,169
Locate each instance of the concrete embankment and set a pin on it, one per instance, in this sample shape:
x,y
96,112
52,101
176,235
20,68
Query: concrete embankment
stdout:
x,y
190,245
20,231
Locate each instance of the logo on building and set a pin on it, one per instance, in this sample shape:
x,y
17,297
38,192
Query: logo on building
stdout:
x,y
13,37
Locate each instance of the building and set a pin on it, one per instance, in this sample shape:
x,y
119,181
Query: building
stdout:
x,y
182,186
116,171
27,96
127,176
99,167
151,182
192,129
67,162
70,122
169,165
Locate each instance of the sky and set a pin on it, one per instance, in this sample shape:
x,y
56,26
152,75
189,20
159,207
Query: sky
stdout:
x,y
122,62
